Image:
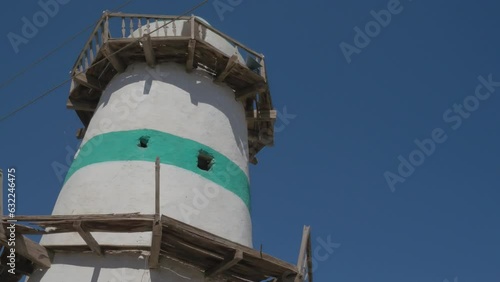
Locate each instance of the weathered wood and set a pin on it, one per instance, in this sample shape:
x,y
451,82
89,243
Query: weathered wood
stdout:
x,y
230,39
191,52
144,16
243,94
303,253
192,25
261,115
31,250
81,105
264,263
88,81
149,52
157,187
88,238
231,63
183,242
80,133
113,58
87,217
309,258
156,243
23,266
225,265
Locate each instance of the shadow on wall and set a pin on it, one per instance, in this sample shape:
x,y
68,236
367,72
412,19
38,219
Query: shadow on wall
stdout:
x,y
198,90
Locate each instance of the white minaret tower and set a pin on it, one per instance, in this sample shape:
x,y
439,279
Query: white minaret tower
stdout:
x,y
173,88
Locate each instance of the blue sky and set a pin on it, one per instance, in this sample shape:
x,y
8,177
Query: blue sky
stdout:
x,y
345,127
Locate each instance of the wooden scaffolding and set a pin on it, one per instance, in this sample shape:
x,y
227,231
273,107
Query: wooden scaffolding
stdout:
x,y
210,254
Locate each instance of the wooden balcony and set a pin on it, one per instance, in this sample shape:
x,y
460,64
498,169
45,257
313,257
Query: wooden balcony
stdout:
x,y
119,40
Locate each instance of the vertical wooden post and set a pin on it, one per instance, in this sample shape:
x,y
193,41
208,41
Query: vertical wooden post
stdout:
x,y
304,254
105,29
193,22
154,258
157,186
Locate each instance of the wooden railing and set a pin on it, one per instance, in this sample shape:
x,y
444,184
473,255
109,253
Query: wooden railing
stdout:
x,y
135,26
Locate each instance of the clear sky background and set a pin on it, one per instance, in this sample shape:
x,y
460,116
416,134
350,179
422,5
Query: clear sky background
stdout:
x,y
347,125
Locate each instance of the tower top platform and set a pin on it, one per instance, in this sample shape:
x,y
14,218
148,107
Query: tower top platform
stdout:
x,y
119,40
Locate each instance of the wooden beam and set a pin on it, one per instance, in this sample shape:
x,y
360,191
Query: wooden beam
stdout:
x,y
149,52
23,265
190,58
231,63
309,258
30,250
243,94
263,115
157,187
88,238
113,58
225,264
303,255
154,258
78,105
263,72
80,133
88,81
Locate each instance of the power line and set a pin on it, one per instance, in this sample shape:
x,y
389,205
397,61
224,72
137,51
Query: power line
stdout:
x,y
55,50
46,93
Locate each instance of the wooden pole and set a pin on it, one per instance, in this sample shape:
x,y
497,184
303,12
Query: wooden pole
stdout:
x,y
154,258
157,186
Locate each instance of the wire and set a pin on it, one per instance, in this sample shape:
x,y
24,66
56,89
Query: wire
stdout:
x,y
55,50
46,93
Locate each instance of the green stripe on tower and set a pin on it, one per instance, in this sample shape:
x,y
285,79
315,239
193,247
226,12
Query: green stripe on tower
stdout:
x,y
172,150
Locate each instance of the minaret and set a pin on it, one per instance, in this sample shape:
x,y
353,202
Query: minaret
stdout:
x,y
176,89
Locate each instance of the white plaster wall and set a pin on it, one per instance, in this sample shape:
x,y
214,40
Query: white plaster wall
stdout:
x,y
169,99
114,268
127,187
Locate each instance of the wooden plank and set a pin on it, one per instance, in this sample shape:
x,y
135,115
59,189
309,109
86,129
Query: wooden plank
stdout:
x,y
309,258
80,105
80,133
192,24
230,39
113,58
87,237
243,94
265,262
85,217
225,265
263,115
191,52
146,16
263,71
149,52
88,81
32,251
154,258
231,63
303,253
156,239
157,187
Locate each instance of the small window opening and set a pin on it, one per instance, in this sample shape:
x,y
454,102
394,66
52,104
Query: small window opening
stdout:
x,y
205,160
143,142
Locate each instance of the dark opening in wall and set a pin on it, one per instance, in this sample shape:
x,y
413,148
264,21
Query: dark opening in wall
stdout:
x,y
205,160
143,142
